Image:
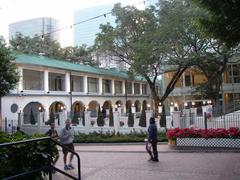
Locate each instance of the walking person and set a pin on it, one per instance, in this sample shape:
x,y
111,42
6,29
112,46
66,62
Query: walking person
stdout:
x,y
152,138
52,132
66,138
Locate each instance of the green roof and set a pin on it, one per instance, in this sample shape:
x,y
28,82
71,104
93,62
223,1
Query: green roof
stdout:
x,y
60,64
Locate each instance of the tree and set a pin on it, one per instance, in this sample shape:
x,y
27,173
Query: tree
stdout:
x,y
8,74
154,42
44,45
222,21
142,121
32,118
111,117
130,118
100,120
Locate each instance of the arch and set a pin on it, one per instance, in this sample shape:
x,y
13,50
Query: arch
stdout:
x,y
77,113
128,106
119,103
31,111
57,107
107,104
77,107
93,107
137,105
144,105
55,110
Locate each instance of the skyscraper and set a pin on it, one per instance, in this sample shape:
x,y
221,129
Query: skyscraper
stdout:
x,y
37,26
88,22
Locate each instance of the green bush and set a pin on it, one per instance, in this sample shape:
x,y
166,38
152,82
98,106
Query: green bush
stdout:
x,y
21,158
111,137
130,119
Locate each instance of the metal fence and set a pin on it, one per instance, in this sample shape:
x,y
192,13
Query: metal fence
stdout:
x,y
225,121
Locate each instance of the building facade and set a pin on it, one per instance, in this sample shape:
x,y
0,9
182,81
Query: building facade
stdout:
x,y
185,95
50,87
37,26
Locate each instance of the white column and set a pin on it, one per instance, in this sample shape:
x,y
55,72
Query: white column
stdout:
x,y
85,84
100,87
149,114
141,88
116,119
113,87
67,82
123,87
20,83
132,87
87,121
176,119
46,85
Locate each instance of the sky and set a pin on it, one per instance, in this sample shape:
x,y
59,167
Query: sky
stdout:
x,y
62,10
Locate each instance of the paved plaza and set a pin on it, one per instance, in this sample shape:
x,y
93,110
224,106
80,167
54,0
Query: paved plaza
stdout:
x,y
129,162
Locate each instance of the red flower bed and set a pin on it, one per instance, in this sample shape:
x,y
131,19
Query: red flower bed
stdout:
x,y
203,133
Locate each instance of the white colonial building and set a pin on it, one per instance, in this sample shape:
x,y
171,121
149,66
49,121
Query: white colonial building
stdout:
x,y
50,88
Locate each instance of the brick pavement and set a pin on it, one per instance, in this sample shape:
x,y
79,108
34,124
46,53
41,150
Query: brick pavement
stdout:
x,y
129,162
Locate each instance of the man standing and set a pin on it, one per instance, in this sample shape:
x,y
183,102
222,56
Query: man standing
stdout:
x,y
66,138
152,138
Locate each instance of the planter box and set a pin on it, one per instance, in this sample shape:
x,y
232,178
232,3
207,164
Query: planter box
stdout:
x,y
210,142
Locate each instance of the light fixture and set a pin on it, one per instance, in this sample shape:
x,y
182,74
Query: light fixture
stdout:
x,y
193,103
185,104
175,105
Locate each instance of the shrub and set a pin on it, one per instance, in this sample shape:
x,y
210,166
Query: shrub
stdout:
x,y
203,133
23,157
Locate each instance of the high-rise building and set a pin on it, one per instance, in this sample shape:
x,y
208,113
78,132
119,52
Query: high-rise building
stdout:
x,y
37,26
87,22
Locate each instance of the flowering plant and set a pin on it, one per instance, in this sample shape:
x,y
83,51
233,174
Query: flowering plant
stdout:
x,y
203,133
121,123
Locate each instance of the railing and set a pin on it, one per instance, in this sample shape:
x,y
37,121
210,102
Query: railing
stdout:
x,y
48,167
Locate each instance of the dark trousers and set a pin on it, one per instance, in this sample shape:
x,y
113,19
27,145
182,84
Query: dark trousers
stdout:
x,y
154,148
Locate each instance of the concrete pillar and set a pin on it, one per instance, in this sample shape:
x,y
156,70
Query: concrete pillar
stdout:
x,y
133,88
141,88
113,87
116,119
100,85
46,85
149,114
123,87
176,119
85,82
87,121
67,82
171,110
20,83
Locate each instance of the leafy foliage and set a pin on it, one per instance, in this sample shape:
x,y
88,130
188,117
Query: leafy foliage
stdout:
x,y
142,121
23,157
110,137
46,46
8,74
223,20
100,120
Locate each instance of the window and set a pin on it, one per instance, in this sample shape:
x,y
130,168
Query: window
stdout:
x,y
118,87
77,83
187,80
129,87
92,85
33,80
136,88
144,89
106,84
56,82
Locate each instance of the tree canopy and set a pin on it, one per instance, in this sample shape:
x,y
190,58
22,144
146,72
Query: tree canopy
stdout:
x,y
44,45
8,73
223,21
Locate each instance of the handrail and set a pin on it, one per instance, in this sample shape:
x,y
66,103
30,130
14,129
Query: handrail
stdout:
x,y
50,166
78,159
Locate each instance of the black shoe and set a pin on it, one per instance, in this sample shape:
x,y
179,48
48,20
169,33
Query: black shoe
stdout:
x,y
155,160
